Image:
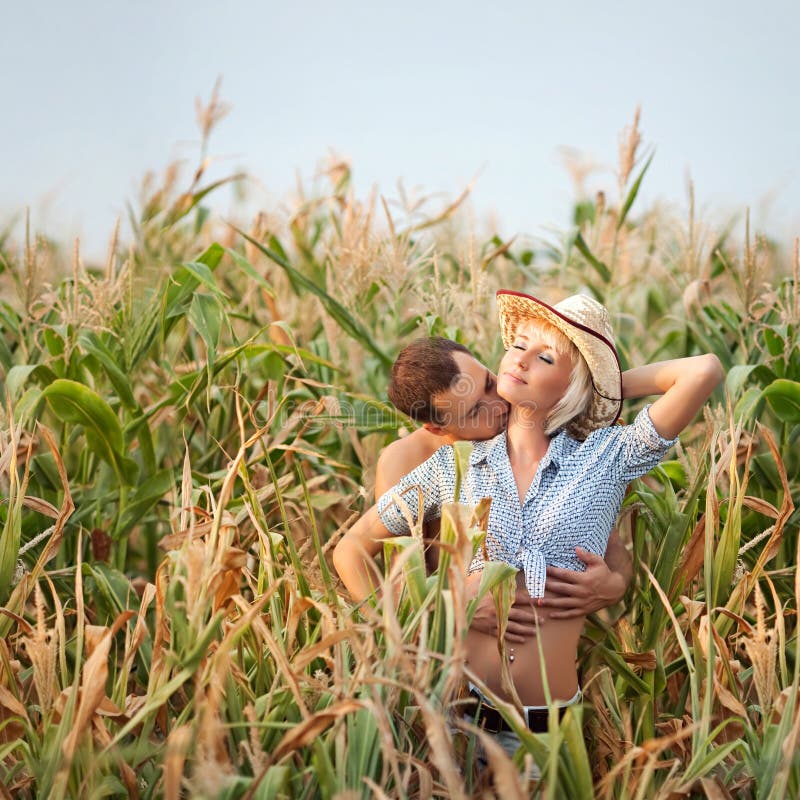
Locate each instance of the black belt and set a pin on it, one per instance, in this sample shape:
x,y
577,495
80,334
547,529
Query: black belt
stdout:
x,y
490,719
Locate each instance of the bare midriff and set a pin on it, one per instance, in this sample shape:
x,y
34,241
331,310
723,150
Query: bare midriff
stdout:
x,y
557,639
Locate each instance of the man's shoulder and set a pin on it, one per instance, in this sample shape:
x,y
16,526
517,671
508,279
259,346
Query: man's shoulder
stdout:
x,y
404,455
411,450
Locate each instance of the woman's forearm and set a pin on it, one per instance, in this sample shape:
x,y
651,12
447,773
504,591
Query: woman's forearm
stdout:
x,y
684,385
659,377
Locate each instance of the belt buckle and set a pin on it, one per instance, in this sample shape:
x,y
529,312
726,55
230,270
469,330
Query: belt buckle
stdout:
x,y
537,720
490,720
487,717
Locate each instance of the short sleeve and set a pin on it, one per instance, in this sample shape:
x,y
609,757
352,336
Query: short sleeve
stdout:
x,y
422,486
643,447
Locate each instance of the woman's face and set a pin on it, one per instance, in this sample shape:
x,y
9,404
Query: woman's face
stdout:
x,y
533,374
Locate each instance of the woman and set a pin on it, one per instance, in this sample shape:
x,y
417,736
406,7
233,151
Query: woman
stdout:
x,y
556,477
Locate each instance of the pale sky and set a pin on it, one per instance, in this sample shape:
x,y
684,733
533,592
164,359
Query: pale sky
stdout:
x,y
96,93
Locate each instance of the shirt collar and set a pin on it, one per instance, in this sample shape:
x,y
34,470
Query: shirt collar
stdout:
x,y
557,450
493,451
488,449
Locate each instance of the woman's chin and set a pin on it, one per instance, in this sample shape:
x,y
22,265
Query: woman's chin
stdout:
x,y
509,390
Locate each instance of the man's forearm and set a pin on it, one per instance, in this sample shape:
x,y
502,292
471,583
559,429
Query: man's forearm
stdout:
x,y
358,571
354,556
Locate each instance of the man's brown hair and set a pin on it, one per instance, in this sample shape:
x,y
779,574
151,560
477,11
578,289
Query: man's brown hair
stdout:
x,y
423,369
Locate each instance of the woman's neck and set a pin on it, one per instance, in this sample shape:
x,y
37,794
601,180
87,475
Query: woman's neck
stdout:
x,y
526,438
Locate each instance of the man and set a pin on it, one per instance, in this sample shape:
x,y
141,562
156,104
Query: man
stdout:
x,y
440,384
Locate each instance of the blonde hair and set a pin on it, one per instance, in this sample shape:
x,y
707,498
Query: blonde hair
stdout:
x,y
578,396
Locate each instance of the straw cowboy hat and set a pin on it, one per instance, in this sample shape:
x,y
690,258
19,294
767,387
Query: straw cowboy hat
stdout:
x,y
587,324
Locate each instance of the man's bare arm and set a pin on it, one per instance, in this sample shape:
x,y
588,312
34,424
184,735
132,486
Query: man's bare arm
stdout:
x,y
401,457
354,555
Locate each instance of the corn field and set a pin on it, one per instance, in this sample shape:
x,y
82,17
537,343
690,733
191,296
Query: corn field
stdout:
x,y
188,429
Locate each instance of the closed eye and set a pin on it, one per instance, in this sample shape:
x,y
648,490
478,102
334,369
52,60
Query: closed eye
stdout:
x,y
546,358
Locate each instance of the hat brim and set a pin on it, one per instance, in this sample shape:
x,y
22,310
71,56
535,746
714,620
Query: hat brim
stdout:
x,y
597,349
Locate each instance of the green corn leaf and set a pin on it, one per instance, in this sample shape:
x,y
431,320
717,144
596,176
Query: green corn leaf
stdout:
x,y
26,409
575,766
53,340
493,574
91,343
184,282
12,527
206,314
16,379
250,271
186,202
203,275
77,404
413,568
749,405
624,673
461,453
634,190
774,339
351,326
783,397
111,587
737,377
602,270
143,499
671,543
325,773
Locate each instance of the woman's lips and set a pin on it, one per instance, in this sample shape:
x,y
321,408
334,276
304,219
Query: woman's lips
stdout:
x,y
514,377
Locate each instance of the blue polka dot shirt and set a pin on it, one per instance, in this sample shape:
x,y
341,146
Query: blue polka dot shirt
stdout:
x,y
572,502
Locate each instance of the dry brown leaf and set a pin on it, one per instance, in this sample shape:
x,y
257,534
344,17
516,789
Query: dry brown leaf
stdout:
x,y
319,650
441,748
93,679
694,608
641,660
140,629
693,555
507,779
106,708
729,700
40,506
787,506
23,624
306,731
7,700
762,506
714,789
178,743
103,738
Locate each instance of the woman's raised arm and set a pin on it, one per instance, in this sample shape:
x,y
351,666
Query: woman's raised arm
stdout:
x,y
684,385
